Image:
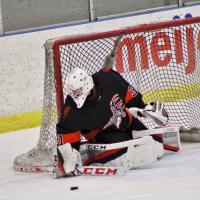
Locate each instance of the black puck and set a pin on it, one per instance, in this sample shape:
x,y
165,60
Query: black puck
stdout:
x,y
74,188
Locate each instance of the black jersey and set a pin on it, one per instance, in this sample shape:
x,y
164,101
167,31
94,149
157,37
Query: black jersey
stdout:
x,y
106,113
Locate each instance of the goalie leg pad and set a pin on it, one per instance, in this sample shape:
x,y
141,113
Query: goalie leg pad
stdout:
x,y
145,152
139,152
169,136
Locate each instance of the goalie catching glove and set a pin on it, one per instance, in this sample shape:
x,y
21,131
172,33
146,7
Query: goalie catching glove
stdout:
x,y
155,110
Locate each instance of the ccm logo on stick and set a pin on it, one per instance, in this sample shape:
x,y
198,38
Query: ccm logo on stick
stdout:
x,y
99,171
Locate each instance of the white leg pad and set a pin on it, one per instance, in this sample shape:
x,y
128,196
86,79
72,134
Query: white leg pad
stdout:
x,y
141,152
145,152
170,136
158,148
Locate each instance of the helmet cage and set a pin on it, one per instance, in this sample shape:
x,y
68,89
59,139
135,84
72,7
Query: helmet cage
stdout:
x,y
79,85
75,93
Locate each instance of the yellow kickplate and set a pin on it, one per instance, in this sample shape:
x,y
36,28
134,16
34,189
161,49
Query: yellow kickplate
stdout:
x,y
20,121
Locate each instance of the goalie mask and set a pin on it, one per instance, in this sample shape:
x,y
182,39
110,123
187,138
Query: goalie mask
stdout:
x,y
79,85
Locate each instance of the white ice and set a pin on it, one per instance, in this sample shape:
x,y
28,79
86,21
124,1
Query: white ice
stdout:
x,y
175,177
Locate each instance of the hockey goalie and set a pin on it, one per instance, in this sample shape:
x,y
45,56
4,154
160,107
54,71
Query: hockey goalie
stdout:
x,y
106,110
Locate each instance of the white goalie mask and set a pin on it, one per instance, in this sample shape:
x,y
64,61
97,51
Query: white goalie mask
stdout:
x,y
79,85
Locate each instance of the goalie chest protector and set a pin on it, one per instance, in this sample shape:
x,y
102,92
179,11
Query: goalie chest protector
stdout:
x,y
108,110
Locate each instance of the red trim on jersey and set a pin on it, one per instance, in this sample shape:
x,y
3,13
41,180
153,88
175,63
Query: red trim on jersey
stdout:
x,y
71,137
128,96
130,117
91,134
101,155
130,93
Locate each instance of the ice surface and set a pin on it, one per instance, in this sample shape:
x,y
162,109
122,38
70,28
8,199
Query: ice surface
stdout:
x,y
176,177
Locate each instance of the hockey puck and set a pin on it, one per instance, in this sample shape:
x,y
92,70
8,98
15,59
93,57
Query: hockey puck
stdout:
x,y
74,188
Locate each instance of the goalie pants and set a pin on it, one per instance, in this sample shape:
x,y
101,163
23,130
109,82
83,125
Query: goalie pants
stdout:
x,y
112,136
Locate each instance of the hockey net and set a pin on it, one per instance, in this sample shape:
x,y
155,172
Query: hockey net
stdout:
x,y
160,60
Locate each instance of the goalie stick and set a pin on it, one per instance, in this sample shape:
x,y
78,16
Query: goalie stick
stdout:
x,y
37,169
85,170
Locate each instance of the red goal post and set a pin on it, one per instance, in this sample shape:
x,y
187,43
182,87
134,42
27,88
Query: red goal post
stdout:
x,y
161,60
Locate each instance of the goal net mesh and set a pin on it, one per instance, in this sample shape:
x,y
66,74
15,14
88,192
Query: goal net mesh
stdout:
x,y
162,61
